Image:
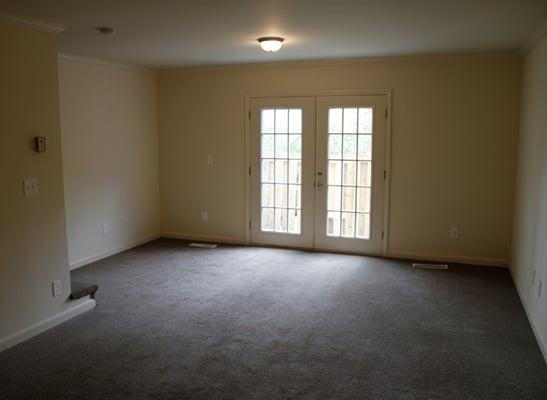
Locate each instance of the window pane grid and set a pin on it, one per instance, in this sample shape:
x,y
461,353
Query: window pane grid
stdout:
x,y
349,173
349,185
281,155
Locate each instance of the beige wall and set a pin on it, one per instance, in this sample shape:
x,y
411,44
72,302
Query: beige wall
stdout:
x,y
110,156
530,233
455,124
33,249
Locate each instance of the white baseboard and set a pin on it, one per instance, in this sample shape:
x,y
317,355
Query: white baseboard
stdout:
x,y
403,255
542,346
202,238
491,262
33,330
99,256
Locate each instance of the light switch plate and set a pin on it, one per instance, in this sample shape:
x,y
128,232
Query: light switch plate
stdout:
x,y
30,187
204,216
105,228
210,159
454,233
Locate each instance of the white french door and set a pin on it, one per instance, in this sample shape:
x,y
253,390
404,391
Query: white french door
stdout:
x,y
283,165
318,172
350,153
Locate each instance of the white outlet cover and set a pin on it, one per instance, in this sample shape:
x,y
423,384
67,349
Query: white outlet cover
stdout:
x,y
57,287
30,187
204,216
454,233
105,228
210,159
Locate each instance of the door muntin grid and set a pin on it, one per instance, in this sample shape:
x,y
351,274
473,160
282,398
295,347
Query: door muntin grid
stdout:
x,y
349,172
281,170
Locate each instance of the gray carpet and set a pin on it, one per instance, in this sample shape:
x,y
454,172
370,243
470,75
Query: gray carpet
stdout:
x,y
174,322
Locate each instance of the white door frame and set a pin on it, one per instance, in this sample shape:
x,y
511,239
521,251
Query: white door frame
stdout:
x,y
316,93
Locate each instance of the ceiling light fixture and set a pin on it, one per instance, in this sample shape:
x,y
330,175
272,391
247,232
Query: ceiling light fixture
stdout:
x,y
271,43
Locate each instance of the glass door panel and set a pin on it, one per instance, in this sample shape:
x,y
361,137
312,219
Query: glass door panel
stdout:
x,y
349,172
281,170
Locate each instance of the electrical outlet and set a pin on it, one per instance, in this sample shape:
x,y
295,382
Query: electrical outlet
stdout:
x,y
454,233
30,186
105,227
204,216
210,159
57,288
40,144
540,288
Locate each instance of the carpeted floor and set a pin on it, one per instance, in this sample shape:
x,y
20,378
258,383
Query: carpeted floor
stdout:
x,y
174,322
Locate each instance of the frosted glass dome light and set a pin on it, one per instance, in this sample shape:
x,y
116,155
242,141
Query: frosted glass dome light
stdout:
x,y
271,43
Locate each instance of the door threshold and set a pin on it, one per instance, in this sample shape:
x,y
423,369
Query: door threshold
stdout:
x,y
315,249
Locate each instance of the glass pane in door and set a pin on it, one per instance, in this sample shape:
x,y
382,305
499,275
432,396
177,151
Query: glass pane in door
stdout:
x,y
281,170
349,175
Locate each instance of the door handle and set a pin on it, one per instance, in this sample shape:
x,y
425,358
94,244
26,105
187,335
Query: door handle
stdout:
x,y
319,183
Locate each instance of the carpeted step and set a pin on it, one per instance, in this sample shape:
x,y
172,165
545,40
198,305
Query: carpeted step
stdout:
x,y
79,290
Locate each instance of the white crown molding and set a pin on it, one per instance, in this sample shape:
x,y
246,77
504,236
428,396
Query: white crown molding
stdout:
x,y
31,23
104,62
535,37
338,61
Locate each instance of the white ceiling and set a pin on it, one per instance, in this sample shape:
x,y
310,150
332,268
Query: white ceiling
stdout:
x,y
169,33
